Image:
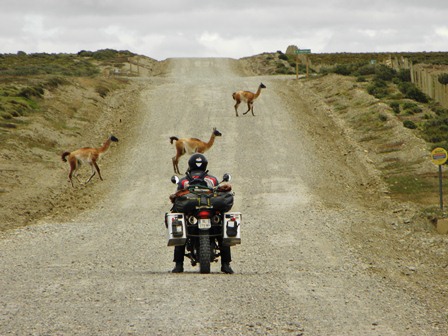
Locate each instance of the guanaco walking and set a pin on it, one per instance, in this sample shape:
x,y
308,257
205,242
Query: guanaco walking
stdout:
x,y
190,146
87,155
248,97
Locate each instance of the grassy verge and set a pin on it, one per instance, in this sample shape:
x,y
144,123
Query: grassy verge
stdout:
x,y
405,103
25,78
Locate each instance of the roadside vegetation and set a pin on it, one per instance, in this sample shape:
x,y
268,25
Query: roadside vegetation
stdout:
x,y
416,111
427,118
404,101
25,78
409,104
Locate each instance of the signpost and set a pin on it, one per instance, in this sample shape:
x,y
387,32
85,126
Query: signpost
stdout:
x,y
439,156
302,52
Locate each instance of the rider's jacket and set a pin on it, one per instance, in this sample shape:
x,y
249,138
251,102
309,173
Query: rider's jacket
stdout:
x,y
184,182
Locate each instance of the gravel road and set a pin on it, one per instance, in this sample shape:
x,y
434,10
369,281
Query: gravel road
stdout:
x,y
297,272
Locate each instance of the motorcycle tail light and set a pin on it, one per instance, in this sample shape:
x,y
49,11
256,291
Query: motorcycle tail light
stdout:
x,y
204,214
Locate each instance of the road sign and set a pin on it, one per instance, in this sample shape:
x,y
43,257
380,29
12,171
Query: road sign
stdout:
x,y
439,156
303,51
301,54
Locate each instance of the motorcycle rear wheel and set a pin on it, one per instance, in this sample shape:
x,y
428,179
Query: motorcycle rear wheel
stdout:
x,y
204,253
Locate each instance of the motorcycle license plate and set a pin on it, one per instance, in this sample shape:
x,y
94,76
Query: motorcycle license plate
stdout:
x,y
204,224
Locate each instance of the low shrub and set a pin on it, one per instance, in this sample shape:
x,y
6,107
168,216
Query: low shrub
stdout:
x,y
409,124
411,108
443,79
435,129
412,92
378,89
29,92
395,106
385,73
342,69
366,70
439,110
102,91
404,75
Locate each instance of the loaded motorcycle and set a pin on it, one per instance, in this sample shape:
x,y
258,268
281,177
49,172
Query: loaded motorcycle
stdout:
x,y
200,220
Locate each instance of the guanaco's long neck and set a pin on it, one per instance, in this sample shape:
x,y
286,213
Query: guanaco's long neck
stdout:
x,y
105,146
211,141
258,92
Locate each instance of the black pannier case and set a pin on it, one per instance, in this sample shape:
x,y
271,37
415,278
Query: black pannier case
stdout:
x,y
221,201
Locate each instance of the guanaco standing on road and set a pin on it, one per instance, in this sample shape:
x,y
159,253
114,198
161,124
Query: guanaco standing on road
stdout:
x,y
86,155
191,146
247,97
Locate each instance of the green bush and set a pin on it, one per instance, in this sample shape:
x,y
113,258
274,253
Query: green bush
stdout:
x,y
443,79
409,105
84,53
366,70
29,92
439,110
378,89
342,69
395,106
404,75
409,124
436,129
107,54
385,73
412,92
411,108
283,57
383,117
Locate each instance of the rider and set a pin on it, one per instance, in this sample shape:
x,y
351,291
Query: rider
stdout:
x,y
197,165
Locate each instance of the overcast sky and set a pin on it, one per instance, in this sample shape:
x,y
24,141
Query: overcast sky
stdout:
x,y
222,28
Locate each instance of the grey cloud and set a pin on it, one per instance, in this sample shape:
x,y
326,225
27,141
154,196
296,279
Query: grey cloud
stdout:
x,y
232,28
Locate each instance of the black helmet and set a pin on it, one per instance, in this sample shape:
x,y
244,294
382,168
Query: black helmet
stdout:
x,y
197,162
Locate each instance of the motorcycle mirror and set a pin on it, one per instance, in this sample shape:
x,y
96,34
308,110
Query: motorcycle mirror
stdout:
x,y
174,179
226,177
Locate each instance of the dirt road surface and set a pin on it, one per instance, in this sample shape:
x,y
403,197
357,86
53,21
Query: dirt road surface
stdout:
x,y
312,209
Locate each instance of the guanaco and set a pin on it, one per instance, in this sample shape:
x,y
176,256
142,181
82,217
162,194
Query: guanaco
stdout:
x,y
190,146
87,155
248,97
